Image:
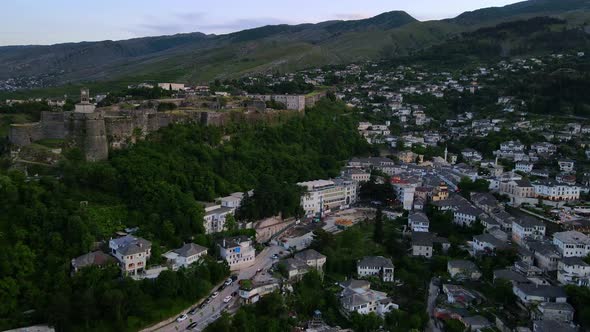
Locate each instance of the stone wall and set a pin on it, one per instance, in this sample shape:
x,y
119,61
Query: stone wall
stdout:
x,y
52,125
25,134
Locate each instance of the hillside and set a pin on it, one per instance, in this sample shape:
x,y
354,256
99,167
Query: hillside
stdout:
x,y
197,57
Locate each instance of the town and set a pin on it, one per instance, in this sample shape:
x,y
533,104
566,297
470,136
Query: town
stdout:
x,y
491,203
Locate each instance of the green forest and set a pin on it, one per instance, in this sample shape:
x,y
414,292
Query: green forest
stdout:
x,y
155,185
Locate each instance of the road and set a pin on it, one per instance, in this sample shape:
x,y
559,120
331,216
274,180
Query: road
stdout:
x,y
433,291
210,312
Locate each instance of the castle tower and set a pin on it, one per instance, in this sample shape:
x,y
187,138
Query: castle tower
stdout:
x,y
84,106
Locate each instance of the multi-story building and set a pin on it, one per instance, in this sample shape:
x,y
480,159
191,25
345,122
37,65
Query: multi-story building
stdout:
x,y
376,266
405,193
524,166
466,215
573,271
554,191
216,213
237,251
527,228
566,165
131,252
323,196
418,222
572,244
518,188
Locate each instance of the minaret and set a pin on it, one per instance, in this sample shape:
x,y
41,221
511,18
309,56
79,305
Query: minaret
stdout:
x,y
446,154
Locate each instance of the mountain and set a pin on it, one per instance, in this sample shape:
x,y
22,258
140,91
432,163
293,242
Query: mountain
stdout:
x,y
197,57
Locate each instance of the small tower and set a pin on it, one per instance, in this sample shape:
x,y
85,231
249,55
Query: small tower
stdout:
x,y
446,154
84,96
84,106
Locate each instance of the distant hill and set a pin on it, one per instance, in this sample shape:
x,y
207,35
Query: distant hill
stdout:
x,y
197,57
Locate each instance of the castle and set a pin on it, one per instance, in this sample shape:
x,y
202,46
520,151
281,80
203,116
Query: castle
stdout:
x,y
94,130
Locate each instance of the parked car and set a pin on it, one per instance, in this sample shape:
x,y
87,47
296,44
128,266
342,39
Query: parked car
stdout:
x,y
192,325
181,318
234,277
214,295
227,299
228,282
275,256
193,311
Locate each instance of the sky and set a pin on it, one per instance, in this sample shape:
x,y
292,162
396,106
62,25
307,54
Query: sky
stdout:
x,y
24,22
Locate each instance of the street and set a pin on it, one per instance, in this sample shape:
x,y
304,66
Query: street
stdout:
x,y
433,291
210,312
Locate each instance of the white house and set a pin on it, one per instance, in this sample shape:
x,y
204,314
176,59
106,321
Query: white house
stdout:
x,y
466,215
566,165
572,244
418,222
524,166
573,271
376,266
534,294
131,252
357,296
186,255
527,228
237,251
487,243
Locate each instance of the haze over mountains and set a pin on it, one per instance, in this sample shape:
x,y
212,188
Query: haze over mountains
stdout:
x,y
196,57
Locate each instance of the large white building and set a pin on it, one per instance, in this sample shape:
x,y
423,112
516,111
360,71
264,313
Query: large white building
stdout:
x,y
357,296
554,191
376,266
327,195
572,244
237,251
405,193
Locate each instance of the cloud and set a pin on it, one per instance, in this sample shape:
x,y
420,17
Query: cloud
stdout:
x,y
198,22
350,16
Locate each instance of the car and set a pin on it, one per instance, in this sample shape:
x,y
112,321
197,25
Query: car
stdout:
x,y
214,295
234,277
208,300
234,294
228,282
193,311
181,318
192,325
227,299
275,256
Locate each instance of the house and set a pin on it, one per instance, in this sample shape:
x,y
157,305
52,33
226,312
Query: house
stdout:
x,y
131,252
553,326
471,155
566,165
535,294
96,258
357,296
457,294
524,166
251,292
485,201
510,275
466,214
216,213
527,228
487,244
518,189
573,271
418,222
375,266
312,258
295,268
477,323
463,269
545,254
552,311
572,244
422,244
237,251
186,255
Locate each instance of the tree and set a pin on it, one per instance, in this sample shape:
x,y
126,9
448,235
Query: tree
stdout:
x,y
378,230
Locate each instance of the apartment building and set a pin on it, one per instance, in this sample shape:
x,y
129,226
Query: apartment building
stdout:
x,y
327,195
237,251
572,244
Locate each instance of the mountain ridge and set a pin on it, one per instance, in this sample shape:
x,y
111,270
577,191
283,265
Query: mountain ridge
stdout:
x,y
198,57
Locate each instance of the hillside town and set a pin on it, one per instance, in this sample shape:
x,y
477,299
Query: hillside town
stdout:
x,y
490,202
